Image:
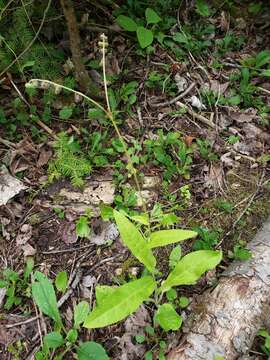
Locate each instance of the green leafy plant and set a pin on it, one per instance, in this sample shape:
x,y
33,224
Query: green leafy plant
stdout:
x,y
116,303
240,252
202,8
62,341
266,346
17,287
69,161
145,36
205,150
224,205
171,152
207,239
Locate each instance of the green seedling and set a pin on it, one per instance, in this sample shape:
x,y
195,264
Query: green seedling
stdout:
x,y
224,206
146,32
205,150
207,239
17,287
240,252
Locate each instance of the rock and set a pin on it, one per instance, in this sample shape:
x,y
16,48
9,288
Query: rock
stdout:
x,y
9,186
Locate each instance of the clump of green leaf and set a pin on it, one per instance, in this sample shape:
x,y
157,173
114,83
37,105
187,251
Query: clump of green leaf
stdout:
x,y
145,35
116,303
171,152
207,239
69,161
17,287
62,340
240,252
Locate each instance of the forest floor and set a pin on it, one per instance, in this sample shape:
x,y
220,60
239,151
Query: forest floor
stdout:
x,y
202,160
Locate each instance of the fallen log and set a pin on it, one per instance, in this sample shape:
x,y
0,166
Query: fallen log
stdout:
x,y
227,318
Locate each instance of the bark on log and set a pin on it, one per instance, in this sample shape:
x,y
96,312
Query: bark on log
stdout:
x,y
227,318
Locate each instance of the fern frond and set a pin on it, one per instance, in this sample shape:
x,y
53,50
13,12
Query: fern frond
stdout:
x,y
69,162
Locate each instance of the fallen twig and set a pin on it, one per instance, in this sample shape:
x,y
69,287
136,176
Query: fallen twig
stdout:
x,y
202,118
174,100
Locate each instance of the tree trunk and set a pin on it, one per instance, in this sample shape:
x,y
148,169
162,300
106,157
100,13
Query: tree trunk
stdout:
x,y
81,73
227,318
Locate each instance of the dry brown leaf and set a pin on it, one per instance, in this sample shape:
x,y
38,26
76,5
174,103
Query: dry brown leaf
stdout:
x,y
44,157
67,231
28,250
24,235
214,178
244,117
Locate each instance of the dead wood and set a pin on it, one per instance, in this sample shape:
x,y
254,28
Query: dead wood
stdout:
x,y
227,318
81,73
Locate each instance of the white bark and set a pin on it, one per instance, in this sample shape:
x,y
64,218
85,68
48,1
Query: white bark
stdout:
x,y
227,318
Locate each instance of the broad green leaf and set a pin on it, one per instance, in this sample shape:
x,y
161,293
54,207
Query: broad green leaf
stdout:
x,y
262,58
171,295
140,339
126,23
91,350
102,291
53,340
145,37
82,227
133,239
151,16
112,99
61,281
122,302
81,311
181,38
65,113
166,237
202,8
175,256
28,268
235,100
265,73
168,318
96,113
72,336
44,296
183,302
142,219
191,267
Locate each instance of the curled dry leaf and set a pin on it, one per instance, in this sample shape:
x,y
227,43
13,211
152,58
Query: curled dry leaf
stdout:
x,y
214,178
227,160
44,157
28,250
244,117
24,235
180,82
196,102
